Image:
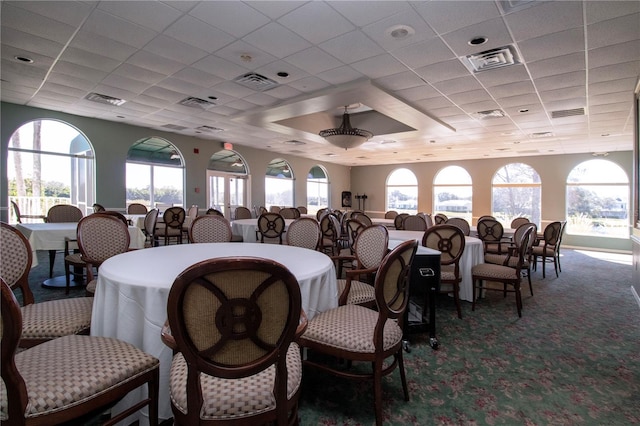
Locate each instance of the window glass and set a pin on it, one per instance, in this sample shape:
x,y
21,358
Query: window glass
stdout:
x,y
49,162
317,190
516,192
452,191
155,174
402,191
278,184
598,200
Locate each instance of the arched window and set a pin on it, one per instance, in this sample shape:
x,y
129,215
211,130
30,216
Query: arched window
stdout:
x,y
227,182
402,191
317,189
452,190
155,174
50,162
516,192
278,184
598,200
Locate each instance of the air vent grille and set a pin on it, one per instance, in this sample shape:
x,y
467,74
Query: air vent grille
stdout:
x,y
209,129
492,113
256,81
540,135
174,127
104,99
193,102
491,59
567,113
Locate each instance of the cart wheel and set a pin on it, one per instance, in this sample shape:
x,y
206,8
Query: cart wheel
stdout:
x,y
433,342
406,346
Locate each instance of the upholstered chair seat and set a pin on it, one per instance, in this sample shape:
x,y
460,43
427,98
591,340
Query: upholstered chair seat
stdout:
x,y
56,318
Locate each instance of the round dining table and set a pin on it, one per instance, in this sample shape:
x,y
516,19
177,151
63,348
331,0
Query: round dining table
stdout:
x,y
131,295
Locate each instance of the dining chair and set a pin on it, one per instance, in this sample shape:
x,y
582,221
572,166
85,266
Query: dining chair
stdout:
x,y
97,208
302,209
274,209
61,213
321,213
486,216
369,249
150,222
509,276
68,378
232,323
362,217
100,237
289,213
414,223
450,241
213,211
115,214
210,229
357,334
518,221
500,259
330,233
427,218
242,212
397,221
45,320
461,223
271,227
304,232
173,220
390,214
19,216
439,219
490,231
136,208
548,250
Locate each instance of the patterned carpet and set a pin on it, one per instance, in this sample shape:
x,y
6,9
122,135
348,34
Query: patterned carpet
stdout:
x,y
572,359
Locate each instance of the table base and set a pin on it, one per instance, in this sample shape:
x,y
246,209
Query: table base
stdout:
x,y
61,282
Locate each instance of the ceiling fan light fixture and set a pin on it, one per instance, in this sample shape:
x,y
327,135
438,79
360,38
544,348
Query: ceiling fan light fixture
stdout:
x,y
346,136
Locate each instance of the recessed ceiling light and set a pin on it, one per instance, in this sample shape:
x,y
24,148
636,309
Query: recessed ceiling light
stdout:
x,y
477,41
23,59
523,110
604,135
399,32
283,74
432,141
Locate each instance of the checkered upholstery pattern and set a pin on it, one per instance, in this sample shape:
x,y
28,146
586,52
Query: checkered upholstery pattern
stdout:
x,y
210,229
371,246
56,318
350,328
489,271
359,293
235,398
84,367
101,237
14,255
304,232
64,213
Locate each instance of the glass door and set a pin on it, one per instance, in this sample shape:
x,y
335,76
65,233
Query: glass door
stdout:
x,y
226,191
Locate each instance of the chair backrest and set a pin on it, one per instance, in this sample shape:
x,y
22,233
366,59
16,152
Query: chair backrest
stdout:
x,y
271,225
353,228
366,220
97,208
16,211
150,223
486,216
321,213
15,260
214,212
440,218
371,246
64,213
428,219
100,237
397,221
523,245
518,221
304,232
115,214
231,318
192,212
274,209
461,223
242,212
449,240
136,208
490,230
289,213
414,223
302,209
392,287
391,214
552,233
173,217
210,229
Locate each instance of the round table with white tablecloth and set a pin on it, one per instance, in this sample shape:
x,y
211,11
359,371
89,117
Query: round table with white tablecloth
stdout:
x,y
131,296
473,254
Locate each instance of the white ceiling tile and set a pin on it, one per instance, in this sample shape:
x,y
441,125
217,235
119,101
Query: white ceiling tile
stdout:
x,y
379,66
197,76
79,71
309,84
617,53
604,10
457,85
139,73
564,93
608,98
153,15
164,94
155,63
313,60
277,40
64,90
68,12
184,87
494,30
262,99
442,71
340,75
173,49
445,17
220,67
615,71
559,81
558,65
35,24
352,47
552,45
614,31
500,76
400,81
29,42
272,69
89,59
474,96
284,92
115,92
245,55
41,62
275,9
316,22
92,42
424,91
424,53
199,34
233,89
512,89
360,14
235,18
380,31
519,101
67,80
544,18
610,86
118,29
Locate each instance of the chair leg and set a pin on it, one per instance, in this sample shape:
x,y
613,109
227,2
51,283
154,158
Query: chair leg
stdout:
x,y
377,392
529,279
52,259
456,299
403,376
544,262
67,276
556,262
473,294
518,299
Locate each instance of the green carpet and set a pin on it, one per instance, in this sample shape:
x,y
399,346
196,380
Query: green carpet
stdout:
x,y
572,359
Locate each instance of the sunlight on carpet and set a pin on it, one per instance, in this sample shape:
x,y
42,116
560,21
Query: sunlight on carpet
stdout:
x,y
621,258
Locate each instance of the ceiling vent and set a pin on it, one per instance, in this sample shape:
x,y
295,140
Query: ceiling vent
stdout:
x,y
193,102
491,59
509,6
540,135
256,81
174,127
294,142
567,113
485,115
104,99
209,129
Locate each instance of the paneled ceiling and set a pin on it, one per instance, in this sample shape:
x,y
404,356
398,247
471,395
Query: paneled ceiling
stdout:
x,y
433,80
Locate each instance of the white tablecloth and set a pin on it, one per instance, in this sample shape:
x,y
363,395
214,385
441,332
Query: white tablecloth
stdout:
x,y
131,296
247,228
51,236
473,255
389,223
